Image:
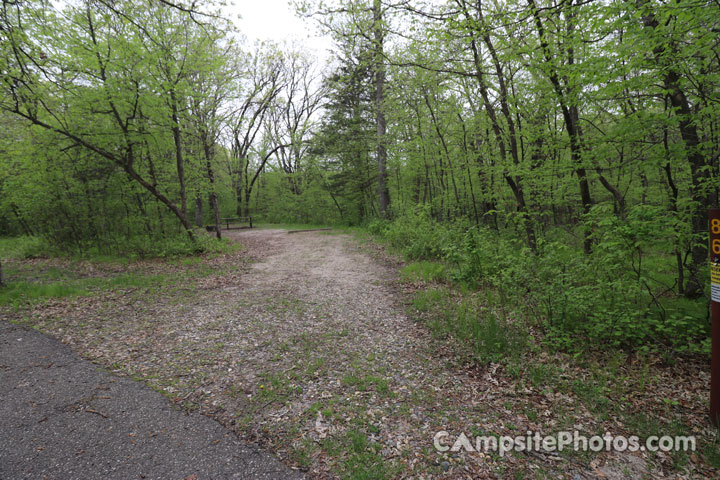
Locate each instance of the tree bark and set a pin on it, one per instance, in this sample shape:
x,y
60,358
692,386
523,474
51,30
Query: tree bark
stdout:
x,y
571,118
178,152
699,172
513,182
617,194
198,211
208,151
383,193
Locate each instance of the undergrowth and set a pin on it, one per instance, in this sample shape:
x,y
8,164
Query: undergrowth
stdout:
x,y
17,293
487,336
491,294
29,285
621,296
116,249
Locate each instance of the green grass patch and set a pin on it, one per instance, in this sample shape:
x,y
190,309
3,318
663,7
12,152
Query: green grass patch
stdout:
x,y
423,270
118,250
427,300
25,247
487,337
19,293
364,383
277,388
363,460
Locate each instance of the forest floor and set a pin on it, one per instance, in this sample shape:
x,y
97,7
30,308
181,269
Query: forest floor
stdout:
x,y
307,345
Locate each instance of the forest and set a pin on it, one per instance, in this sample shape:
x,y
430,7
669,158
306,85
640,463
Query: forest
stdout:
x,y
565,151
550,160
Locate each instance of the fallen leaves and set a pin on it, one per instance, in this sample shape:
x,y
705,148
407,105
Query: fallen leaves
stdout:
x,y
309,352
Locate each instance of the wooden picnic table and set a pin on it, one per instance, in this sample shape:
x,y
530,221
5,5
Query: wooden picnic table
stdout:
x,y
232,220
228,221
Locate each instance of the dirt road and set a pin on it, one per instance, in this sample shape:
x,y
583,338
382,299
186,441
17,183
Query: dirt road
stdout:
x,y
308,351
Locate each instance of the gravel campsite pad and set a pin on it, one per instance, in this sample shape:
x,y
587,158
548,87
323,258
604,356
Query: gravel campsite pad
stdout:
x,y
304,344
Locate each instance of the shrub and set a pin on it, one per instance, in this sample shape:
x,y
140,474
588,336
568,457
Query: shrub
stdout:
x,y
617,296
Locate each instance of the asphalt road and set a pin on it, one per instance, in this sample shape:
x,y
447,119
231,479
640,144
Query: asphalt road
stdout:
x,y
63,418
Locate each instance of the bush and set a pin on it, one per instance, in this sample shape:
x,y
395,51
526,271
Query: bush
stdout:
x,y
139,246
610,297
477,330
26,247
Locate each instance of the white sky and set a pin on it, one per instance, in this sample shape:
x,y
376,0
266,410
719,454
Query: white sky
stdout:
x,y
276,20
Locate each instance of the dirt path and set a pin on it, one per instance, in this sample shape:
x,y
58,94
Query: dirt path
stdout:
x,y
308,351
337,356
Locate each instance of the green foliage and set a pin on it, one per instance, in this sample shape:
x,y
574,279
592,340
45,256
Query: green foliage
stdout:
x,y
423,270
417,235
107,150
139,246
564,171
476,329
180,245
25,247
612,297
21,293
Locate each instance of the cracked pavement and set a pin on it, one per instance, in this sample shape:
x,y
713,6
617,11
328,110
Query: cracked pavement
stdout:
x,y
62,417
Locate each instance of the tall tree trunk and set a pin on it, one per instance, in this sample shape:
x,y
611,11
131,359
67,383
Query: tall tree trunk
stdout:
x,y
513,182
378,30
445,150
198,211
239,198
178,152
571,117
245,189
699,173
673,208
208,151
246,212
467,170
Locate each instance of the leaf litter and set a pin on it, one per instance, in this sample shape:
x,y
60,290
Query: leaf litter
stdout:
x,y
305,344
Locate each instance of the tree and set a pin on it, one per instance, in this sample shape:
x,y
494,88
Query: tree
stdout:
x,y
665,41
212,87
257,90
293,118
92,78
363,25
379,32
347,137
